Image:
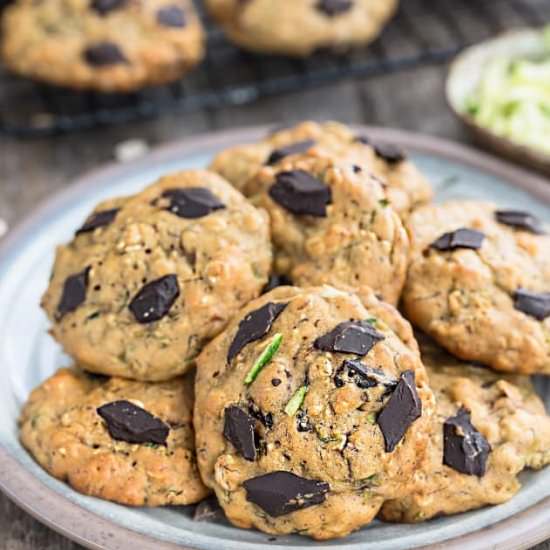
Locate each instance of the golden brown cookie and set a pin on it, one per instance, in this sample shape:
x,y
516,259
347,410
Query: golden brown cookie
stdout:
x,y
146,283
479,284
488,428
104,45
129,442
332,223
299,27
405,186
310,412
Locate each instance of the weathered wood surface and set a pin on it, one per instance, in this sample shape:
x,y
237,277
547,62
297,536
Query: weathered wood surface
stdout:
x,y
32,170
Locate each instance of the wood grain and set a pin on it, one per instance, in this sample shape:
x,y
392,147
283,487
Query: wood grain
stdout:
x,y
32,170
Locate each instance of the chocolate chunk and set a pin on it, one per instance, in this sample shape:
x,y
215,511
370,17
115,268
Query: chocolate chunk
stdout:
x,y
239,430
280,493
128,422
357,337
192,202
302,422
171,16
334,7
301,193
293,149
74,293
103,7
363,376
265,418
254,326
403,408
535,304
461,238
155,299
98,219
104,54
520,220
276,281
389,153
464,448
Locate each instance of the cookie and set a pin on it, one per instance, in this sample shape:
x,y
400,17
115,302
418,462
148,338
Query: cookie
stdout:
x,y
479,284
405,186
148,280
488,428
129,442
310,412
102,45
332,224
299,28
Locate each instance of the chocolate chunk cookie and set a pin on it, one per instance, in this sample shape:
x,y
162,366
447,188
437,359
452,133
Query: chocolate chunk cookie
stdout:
x,y
479,284
331,224
310,412
148,280
103,45
129,442
298,28
488,428
405,187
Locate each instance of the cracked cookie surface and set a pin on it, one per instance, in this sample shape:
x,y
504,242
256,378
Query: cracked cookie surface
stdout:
x,y
62,429
405,186
299,27
104,45
331,224
148,280
507,412
479,287
293,437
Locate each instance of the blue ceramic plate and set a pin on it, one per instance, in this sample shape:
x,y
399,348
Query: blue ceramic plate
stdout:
x,y
28,355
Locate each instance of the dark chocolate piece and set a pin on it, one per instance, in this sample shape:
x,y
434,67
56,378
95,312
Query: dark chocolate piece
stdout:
x,y
334,7
279,493
192,202
239,430
171,16
104,54
254,326
363,376
300,193
98,219
74,292
155,299
128,422
520,220
461,238
276,281
535,304
465,449
103,7
265,418
293,149
357,337
402,409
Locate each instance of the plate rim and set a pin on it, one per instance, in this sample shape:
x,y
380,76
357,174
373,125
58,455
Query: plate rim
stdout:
x,y
517,532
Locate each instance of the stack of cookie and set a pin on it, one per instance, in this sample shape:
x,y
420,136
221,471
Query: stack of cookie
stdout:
x,y
317,408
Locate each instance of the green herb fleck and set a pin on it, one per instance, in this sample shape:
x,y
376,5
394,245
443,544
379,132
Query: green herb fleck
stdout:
x,y
372,321
371,418
384,202
265,357
151,445
296,401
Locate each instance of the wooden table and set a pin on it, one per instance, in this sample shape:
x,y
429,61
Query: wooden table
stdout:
x,y
33,170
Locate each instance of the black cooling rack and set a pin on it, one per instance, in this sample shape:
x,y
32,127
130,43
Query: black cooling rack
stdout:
x,y
424,31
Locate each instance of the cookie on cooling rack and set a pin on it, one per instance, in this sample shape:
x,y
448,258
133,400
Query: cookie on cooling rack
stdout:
x,y
479,284
129,442
405,186
102,45
310,412
487,429
148,280
299,27
331,223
